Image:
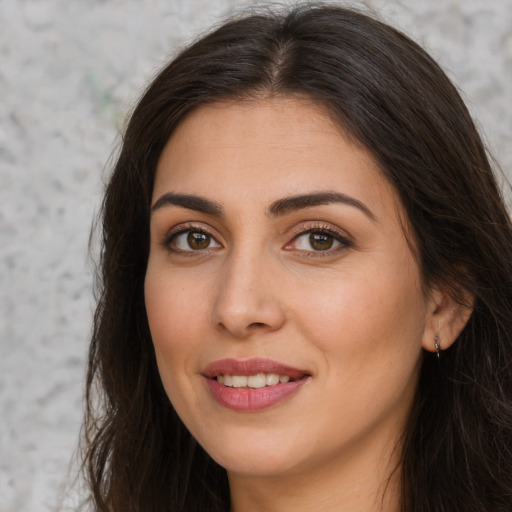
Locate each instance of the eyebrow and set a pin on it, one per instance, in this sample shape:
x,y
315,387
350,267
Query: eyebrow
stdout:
x,y
189,201
299,202
276,209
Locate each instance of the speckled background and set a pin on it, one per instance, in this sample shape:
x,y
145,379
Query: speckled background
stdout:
x,y
69,72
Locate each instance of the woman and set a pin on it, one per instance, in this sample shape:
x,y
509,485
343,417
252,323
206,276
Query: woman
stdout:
x,y
305,283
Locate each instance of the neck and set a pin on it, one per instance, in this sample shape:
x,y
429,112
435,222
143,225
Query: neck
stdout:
x,y
357,484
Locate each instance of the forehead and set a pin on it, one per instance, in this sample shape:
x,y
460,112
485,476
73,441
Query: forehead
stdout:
x,y
268,148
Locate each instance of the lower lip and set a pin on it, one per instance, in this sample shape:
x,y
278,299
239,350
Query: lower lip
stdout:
x,y
248,399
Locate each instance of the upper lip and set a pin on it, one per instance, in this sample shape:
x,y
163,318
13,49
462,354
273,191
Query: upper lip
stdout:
x,y
251,367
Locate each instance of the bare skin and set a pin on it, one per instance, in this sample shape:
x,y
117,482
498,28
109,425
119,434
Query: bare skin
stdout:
x,y
273,236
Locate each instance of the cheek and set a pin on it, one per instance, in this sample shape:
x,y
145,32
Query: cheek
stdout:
x,y
364,318
174,303
368,333
173,311
172,315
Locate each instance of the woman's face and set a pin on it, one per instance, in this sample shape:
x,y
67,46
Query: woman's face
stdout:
x,y
278,254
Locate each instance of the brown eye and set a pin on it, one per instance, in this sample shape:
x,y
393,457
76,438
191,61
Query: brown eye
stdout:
x,y
198,241
321,241
190,240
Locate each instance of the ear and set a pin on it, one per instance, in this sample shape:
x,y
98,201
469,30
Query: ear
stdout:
x,y
445,319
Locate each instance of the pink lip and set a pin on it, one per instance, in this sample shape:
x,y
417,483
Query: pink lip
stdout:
x,y
251,367
247,399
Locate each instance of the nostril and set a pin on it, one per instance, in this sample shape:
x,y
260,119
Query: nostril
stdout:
x,y
257,324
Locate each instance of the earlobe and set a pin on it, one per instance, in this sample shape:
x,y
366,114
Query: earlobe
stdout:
x,y
446,319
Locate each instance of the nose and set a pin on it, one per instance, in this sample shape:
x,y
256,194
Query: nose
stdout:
x,y
246,301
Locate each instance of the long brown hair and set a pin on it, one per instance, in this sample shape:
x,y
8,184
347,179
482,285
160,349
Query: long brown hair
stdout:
x,y
389,95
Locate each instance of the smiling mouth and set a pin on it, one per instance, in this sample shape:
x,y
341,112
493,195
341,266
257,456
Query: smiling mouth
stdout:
x,y
256,381
252,373
251,385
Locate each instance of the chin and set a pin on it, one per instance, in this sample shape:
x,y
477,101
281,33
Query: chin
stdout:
x,y
262,454
256,464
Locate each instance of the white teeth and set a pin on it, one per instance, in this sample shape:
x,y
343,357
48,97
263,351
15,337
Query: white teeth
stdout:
x,y
272,378
259,380
239,381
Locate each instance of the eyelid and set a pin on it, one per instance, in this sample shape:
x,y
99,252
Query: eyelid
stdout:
x,y
344,239
321,227
186,227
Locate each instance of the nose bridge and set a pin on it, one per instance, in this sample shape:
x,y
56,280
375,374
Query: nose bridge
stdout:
x,y
245,300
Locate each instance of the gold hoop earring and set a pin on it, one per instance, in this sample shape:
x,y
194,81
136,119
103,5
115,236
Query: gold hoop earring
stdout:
x,y
437,345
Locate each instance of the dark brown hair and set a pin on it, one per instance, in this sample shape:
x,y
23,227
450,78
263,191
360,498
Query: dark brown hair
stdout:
x,y
389,95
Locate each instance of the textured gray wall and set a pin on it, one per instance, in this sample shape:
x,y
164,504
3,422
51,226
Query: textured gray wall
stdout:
x,y
69,71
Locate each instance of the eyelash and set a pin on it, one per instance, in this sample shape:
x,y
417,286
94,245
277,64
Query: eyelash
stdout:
x,y
322,229
173,235
344,242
